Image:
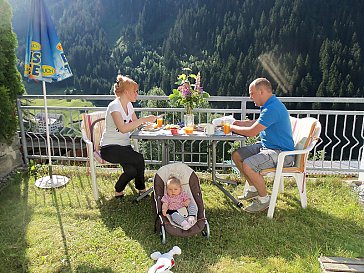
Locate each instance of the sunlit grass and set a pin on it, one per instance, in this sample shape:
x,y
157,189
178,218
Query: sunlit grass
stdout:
x,y
61,103
69,117
65,230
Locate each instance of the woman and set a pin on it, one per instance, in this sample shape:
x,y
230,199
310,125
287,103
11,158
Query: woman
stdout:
x,y
120,120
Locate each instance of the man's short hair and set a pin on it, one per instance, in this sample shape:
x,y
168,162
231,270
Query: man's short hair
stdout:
x,y
262,82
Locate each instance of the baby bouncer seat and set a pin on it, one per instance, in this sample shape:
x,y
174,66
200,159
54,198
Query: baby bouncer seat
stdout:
x,y
191,185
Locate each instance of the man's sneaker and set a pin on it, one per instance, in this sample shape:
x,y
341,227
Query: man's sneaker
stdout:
x,y
248,195
257,206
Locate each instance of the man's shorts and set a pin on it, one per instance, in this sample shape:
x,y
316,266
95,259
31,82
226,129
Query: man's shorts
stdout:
x,y
259,158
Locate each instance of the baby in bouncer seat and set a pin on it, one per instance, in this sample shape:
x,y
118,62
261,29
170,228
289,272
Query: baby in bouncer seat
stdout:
x,y
177,204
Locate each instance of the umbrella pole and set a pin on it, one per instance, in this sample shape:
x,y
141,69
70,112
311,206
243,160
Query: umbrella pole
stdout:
x,y
47,132
45,53
51,181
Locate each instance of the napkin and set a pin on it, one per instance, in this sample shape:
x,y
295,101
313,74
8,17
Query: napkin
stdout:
x,y
219,121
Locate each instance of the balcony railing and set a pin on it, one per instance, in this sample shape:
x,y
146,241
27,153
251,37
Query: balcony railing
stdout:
x,y
339,150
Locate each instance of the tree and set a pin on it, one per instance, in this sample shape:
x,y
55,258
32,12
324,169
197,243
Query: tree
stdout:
x,y
10,80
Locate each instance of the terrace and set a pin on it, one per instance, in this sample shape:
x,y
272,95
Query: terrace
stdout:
x,y
66,230
339,151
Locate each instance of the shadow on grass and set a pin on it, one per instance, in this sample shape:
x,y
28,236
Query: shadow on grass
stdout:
x,y
294,232
89,269
67,260
15,215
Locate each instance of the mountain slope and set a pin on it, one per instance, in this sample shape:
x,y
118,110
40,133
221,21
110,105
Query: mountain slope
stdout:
x,y
305,47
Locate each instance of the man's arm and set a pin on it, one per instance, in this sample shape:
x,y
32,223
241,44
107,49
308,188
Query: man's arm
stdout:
x,y
245,123
249,131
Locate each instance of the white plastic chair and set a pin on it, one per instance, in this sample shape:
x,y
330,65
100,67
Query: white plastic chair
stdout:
x,y
92,127
306,133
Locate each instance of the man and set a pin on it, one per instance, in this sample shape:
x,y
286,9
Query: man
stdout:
x,y
274,128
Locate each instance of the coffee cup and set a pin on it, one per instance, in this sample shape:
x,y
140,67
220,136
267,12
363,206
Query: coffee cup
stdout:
x,y
209,129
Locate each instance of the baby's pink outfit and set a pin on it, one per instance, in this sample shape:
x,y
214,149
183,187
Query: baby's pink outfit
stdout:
x,y
175,202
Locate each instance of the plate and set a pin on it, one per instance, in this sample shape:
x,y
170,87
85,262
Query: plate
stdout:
x,y
150,129
219,133
201,127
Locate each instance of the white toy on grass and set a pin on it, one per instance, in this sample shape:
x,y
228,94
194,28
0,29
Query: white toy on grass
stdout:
x,y
164,261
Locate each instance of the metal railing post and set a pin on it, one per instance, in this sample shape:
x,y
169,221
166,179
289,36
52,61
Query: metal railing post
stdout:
x,y
361,167
243,109
22,132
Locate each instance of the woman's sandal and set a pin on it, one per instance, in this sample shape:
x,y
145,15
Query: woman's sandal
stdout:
x,y
119,195
142,192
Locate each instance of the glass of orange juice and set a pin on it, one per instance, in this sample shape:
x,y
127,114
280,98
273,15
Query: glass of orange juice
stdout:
x,y
226,128
188,130
159,122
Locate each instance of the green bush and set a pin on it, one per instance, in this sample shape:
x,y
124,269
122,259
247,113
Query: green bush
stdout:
x,y
10,79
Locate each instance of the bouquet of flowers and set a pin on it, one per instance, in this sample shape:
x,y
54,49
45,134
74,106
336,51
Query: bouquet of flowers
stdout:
x,y
189,93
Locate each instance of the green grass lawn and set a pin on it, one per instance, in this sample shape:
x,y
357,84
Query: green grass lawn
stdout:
x,y
62,103
36,88
65,230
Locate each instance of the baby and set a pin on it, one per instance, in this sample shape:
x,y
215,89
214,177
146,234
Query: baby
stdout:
x,y
176,199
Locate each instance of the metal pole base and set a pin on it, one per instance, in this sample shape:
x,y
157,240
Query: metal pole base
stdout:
x,y
47,183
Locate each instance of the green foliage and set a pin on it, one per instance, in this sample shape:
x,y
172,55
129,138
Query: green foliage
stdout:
x,y
10,79
319,155
35,169
305,47
155,91
189,93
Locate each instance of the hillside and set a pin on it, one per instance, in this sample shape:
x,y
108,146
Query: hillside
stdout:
x,y
306,47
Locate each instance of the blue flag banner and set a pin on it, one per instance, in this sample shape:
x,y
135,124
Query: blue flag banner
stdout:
x,y
44,57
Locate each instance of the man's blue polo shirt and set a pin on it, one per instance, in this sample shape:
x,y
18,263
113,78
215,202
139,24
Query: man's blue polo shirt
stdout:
x,y
278,134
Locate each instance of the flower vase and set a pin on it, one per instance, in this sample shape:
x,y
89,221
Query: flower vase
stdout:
x,y
188,118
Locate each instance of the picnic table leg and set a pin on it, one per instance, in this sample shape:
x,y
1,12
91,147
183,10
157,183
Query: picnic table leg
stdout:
x,y
164,152
146,193
215,179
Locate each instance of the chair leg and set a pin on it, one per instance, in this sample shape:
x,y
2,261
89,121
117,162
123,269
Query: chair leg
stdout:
x,y
93,173
273,198
301,185
87,167
94,182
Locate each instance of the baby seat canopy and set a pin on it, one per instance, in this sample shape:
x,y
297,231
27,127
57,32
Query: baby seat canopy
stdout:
x,y
190,184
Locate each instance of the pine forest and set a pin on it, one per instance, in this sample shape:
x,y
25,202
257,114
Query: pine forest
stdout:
x,y
305,47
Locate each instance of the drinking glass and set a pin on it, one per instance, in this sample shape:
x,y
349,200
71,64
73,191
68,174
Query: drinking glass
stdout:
x,y
159,122
226,128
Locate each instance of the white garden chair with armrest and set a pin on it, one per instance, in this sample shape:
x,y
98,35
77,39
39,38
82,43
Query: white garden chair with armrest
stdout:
x,y
306,133
92,127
